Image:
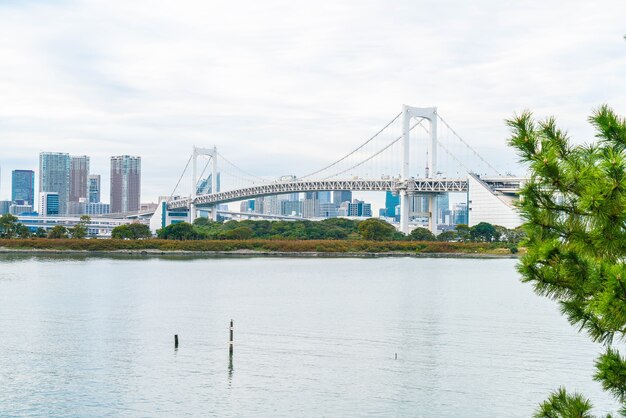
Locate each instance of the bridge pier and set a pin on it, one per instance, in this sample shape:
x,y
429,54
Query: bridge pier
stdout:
x,y
434,210
192,213
404,212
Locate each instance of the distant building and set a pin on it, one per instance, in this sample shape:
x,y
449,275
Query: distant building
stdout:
x,y
77,208
17,209
340,196
310,205
54,177
94,188
392,201
247,206
97,208
443,207
79,172
324,197
23,187
460,214
205,185
4,206
328,210
125,183
360,209
49,204
291,208
148,207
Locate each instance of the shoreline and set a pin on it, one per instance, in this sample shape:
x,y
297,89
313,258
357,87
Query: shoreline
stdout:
x,y
254,253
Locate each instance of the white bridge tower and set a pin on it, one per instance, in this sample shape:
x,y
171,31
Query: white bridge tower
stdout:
x,y
212,154
409,113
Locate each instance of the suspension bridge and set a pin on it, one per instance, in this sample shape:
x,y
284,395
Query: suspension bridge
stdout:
x,y
416,140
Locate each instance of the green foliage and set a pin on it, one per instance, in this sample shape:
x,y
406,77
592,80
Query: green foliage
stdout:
x,y
376,230
58,232
575,211
421,234
78,231
8,226
41,233
562,405
23,231
131,231
483,232
179,231
447,236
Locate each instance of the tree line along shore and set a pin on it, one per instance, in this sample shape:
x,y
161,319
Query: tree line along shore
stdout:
x,y
334,235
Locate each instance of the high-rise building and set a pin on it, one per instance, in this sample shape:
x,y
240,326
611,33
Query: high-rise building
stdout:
x,y
93,188
392,201
323,197
310,205
4,206
340,196
54,176
360,208
49,204
79,172
291,207
443,206
23,187
460,213
125,183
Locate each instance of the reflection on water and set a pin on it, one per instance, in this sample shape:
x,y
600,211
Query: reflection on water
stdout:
x,y
91,336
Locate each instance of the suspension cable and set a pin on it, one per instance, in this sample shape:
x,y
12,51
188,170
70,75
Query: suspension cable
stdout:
x,y
354,151
180,178
375,154
242,170
468,145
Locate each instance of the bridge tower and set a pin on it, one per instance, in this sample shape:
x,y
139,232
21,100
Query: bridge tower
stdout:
x,y
409,113
211,153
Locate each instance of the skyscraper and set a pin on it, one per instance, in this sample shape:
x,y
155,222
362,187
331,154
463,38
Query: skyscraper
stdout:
x,y
125,183
54,176
79,171
340,196
391,202
93,188
23,187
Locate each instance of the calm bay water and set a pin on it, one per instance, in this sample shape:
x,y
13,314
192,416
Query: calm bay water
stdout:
x,y
89,336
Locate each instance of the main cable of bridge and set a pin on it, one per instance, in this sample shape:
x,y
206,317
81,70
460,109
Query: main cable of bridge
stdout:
x,y
375,154
252,176
467,145
355,150
180,178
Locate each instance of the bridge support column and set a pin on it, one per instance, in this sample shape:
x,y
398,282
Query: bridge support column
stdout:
x,y
404,212
192,213
214,213
434,210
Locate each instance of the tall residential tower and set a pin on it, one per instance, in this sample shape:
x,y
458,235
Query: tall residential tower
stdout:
x,y
79,171
23,187
125,183
54,176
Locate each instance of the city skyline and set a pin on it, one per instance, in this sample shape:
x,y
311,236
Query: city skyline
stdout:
x,y
327,77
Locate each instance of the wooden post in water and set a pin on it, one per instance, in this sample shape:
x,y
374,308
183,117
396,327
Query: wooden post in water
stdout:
x,y
176,341
230,342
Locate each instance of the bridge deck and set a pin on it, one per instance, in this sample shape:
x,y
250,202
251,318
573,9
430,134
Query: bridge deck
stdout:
x,y
437,185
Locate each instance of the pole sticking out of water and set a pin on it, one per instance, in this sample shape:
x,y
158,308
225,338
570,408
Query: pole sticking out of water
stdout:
x,y
230,342
176,341
396,356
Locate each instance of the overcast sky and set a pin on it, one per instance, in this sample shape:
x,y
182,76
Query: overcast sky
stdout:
x,y
283,87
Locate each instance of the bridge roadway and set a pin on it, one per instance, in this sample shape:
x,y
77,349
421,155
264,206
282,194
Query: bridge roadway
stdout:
x,y
412,186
